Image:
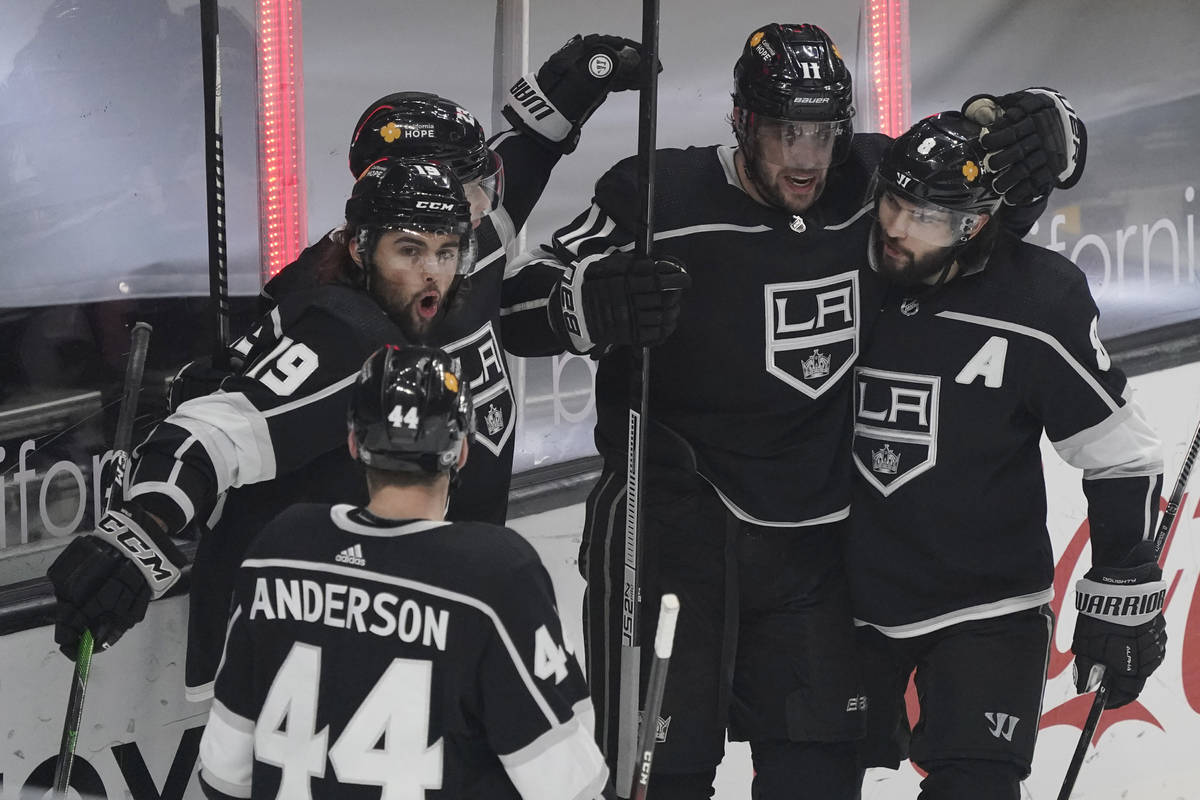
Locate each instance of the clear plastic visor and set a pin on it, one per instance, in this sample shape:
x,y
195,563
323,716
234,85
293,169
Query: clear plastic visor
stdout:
x,y
794,144
436,252
486,193
901,215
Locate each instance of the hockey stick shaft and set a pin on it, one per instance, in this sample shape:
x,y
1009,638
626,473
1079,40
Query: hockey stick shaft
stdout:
x,y
1160,541
664,641
122,441
630,677
214,163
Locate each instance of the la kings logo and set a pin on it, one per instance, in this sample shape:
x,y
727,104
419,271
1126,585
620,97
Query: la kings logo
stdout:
x,y
895,426
483,361
812,331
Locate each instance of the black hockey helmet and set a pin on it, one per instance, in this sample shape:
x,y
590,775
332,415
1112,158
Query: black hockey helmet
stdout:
x,y
929,186
420,196
794,73
419,125
936,164
410,410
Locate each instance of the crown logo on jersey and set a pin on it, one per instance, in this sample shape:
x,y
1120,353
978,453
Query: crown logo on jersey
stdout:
x,y
351,555
798,224
815,366
494,419
885,460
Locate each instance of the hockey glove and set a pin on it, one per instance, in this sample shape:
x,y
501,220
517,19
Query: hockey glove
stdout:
x,y
195,379
619,300
104,581
1120,627
1035,140
552,105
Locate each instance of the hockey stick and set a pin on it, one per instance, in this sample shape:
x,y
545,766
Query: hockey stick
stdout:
x,y
639,380
664,640
1101,698
122,441
214,167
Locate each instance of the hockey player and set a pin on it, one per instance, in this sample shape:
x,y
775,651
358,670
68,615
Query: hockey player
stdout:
x,y
747,478
504,180
407,125
984,343
268,437
381,651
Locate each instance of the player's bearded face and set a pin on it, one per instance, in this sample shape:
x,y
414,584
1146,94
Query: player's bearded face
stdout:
x,y
413,272
788,160
908,262
789,188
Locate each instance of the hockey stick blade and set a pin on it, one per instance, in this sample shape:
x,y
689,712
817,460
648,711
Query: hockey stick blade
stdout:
x,y
1101,698
139,344
664,642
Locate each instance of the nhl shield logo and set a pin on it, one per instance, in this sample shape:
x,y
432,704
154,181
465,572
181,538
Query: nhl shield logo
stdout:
x,y
812,331
483,364
895,426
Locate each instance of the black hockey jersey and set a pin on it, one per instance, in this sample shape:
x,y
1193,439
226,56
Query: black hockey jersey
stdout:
x,y
472,330
373,658
753,388
952,395
754,383
272,435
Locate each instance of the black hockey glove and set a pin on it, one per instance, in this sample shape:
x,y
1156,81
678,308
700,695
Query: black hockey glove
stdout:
x,y
619,300
1035,140
552,105
195,379
1120,627
104,581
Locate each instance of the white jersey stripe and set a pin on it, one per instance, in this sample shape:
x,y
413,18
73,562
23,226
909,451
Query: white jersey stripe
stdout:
x,y
436,591
583,227
333,388
999,608
227,751
561,764
1041,336
690,230
833,516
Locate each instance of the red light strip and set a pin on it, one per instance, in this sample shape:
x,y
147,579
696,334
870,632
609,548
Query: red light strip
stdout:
x,y
283,218
887,48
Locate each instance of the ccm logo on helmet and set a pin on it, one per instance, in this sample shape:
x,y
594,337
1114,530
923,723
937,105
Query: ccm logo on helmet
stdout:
x,y
434,205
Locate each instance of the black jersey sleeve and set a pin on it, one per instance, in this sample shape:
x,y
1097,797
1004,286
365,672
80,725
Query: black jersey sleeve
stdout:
x,y
527,168
286,407
537,714
1090,416
532,282
227,745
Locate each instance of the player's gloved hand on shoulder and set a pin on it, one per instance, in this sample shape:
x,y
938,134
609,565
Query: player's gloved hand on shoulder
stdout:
x,y
553,104
104,581
620,300
1120,626
1035,141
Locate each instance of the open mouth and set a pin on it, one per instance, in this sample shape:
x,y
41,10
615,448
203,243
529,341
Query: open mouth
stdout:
x,y
427,305
799,183
893,252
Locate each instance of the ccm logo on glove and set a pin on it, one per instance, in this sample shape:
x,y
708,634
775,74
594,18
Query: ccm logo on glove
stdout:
x,y
121,531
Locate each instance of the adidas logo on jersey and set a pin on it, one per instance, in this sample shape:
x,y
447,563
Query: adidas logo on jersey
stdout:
x,y
351,555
